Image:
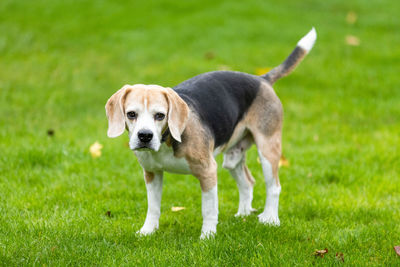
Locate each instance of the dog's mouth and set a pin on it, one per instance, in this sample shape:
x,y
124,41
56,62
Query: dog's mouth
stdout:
x,y
143,147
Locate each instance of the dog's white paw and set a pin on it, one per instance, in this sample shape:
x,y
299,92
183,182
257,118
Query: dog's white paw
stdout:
x,y
208,231
269,218
207,234
147,230
245,212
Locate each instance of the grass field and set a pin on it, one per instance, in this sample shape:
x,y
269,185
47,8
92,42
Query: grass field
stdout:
x,y
61,60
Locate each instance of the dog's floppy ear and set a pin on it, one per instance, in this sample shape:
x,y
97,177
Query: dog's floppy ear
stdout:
x,y
178,114
115,113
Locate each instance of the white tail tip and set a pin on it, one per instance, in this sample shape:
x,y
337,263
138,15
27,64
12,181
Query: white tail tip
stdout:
x,y
307,42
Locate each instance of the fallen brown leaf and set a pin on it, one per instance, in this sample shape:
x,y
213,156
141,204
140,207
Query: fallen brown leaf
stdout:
x,y
50,132
320,252
209,55
175,209
108,213
352,40
351,17
95,149
262,71
397,249
340,256
283,161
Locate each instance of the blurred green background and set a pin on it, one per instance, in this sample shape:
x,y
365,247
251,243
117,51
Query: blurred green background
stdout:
x,y
61,60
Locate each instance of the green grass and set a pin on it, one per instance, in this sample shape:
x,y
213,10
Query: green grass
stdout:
x,y
61,60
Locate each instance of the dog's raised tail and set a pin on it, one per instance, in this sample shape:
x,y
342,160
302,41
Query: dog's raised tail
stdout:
x,y
297,55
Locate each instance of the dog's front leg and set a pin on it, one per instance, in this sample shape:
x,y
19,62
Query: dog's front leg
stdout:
x,y
209,210
209,201
154,183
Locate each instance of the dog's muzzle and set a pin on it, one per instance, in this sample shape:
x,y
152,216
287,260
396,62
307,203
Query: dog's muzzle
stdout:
x,y
144,138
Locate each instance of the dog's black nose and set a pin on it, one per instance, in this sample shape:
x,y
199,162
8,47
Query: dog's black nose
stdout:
x,y
145,136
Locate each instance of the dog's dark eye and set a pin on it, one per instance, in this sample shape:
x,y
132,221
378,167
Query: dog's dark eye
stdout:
x,y
131,115
159,116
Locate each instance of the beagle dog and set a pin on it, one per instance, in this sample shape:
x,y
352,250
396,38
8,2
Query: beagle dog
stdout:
x,y
181,129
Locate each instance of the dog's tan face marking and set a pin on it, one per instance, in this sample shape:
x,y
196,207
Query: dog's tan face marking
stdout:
x,y
146,111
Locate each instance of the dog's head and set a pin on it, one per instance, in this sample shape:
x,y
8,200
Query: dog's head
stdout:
x,y
146,111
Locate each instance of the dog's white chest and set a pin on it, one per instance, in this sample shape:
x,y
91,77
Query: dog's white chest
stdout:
x,y
162,160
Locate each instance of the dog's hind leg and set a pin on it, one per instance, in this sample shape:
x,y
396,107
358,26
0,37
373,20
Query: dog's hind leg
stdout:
x,y
235,162
269,151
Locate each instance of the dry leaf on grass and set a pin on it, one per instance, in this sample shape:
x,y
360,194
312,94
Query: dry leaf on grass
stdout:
x,y
50,132
397,249
351,17
177,208
209,55
262,71
320,252
283,162
95,149
340,256
352,40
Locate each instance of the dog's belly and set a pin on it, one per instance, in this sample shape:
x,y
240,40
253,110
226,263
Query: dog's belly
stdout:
x,y
162,160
